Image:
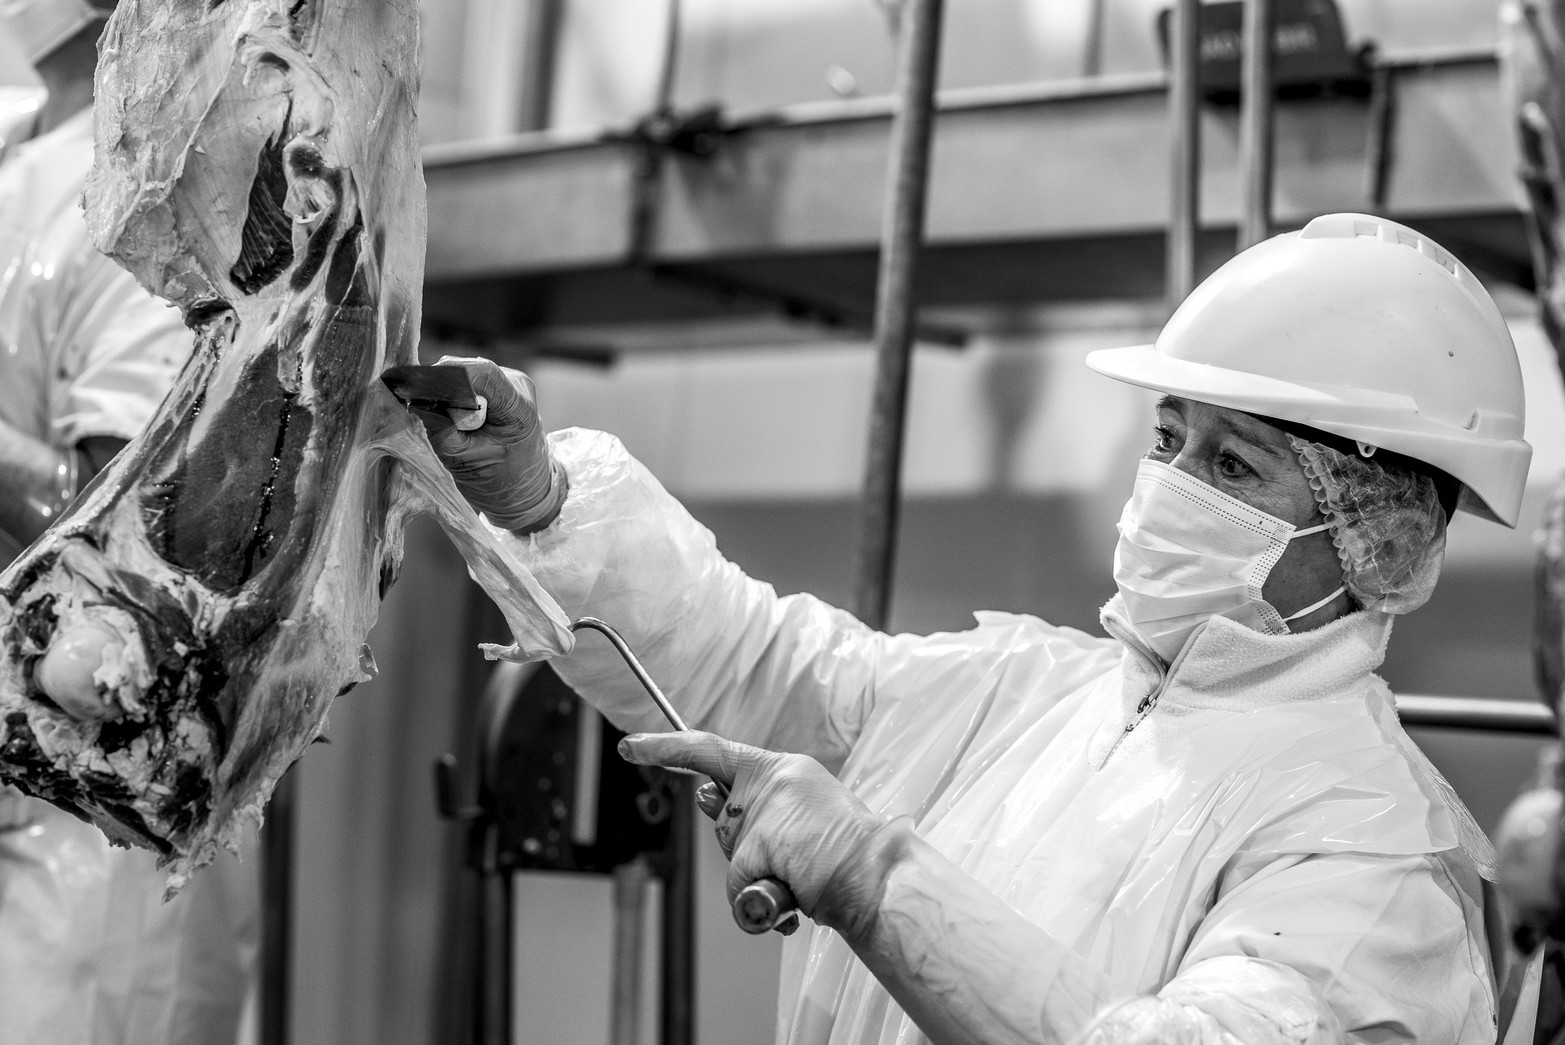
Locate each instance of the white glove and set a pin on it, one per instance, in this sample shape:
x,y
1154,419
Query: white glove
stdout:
x,y
784,816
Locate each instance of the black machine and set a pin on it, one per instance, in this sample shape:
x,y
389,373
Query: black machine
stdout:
x,y
545,790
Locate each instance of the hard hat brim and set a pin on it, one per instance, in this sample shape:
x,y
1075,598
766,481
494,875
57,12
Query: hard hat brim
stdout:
x,y
1379,419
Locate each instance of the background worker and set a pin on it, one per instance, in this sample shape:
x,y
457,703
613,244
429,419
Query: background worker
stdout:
x,y
1208,827
89,952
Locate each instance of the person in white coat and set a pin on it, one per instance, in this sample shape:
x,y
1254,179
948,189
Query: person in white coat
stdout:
x,y
1208,826
89,952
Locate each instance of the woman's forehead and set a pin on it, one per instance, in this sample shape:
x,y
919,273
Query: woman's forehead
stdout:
x,y
1205,418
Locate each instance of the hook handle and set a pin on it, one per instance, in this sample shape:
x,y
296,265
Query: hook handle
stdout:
x,y
762,905
767,904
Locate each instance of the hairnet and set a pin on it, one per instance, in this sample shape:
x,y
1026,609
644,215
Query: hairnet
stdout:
x,y
1386,523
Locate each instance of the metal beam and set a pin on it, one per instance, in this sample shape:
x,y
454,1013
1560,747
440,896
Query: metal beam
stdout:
x,y
1041,170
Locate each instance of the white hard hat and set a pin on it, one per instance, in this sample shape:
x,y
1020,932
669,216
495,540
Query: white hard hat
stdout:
x,y
1363,328
41,26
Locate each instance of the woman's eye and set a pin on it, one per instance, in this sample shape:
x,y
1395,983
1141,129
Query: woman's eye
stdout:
x,y
1233,468
1163,439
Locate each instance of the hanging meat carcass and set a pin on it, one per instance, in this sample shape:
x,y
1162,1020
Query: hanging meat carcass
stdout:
x,y
175,640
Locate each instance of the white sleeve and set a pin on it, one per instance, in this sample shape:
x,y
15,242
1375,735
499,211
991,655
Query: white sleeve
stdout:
x,y
118,350
786,673
1394,945
1304,951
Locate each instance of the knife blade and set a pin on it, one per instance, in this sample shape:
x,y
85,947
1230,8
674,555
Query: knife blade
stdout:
x,y
431,387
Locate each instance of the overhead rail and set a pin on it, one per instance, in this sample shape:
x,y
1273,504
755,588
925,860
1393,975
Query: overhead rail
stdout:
x,y
1038,193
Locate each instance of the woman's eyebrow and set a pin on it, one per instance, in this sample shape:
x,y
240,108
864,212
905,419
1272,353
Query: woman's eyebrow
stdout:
x,y
1251,437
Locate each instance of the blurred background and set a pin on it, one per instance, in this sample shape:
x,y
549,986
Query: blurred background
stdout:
x,y
668,213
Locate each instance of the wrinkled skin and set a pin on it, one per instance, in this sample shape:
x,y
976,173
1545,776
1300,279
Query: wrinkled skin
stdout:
x,y
173,643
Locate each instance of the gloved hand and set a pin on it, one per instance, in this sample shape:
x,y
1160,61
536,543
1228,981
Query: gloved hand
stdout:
x,y
503,468
785,816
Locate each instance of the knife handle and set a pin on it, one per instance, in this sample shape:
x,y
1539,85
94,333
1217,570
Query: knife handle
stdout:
x,y
767,904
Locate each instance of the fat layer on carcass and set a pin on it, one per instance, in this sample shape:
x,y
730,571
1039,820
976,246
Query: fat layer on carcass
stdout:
x,y
174,642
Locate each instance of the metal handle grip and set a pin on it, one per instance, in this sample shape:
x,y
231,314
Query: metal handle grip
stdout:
x,y
765,905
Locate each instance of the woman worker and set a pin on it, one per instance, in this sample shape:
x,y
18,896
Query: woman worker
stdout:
x,y
1208,827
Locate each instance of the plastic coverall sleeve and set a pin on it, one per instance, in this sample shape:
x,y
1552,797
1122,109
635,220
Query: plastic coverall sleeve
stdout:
x,y
788,674
1326,948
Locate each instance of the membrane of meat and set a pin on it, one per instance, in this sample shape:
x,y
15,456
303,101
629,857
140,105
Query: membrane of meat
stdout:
x,y
174,642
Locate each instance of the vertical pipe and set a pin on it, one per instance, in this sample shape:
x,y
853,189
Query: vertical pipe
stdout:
x,y
277,911
536,64
1184,131
649,164
630,905
1092,48
679,918
1255,123
497,977
668,74
902,233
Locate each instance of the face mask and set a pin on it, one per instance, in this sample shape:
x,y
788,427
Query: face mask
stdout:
x,y
1188,551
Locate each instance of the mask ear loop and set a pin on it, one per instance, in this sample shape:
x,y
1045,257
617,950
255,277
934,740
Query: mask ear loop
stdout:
x,y
1312,607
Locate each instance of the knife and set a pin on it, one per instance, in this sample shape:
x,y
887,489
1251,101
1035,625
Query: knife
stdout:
x,y
433,391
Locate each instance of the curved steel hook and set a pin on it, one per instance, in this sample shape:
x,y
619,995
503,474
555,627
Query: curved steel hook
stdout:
x,y
623,648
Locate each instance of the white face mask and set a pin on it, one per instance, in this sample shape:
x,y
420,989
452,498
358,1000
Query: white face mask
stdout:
x,y
1188,551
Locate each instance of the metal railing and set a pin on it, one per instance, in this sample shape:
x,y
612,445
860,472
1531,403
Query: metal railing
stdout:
x,y
1497,716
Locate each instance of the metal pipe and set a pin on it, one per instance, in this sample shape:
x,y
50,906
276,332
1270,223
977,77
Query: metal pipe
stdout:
x,y
1092,48
630,905
677,1019
277,911
761,906
498,976
902,234
634,664
1499,716
669,71
1256,111
1184,132
537,60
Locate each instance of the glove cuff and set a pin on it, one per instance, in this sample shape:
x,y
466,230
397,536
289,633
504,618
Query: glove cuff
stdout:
x,y
548,509
850,902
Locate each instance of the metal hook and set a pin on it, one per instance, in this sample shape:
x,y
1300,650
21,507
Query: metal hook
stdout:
x,y
763,905
623,648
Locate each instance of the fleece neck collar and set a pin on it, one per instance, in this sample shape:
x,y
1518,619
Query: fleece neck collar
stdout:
x,y
1226,664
